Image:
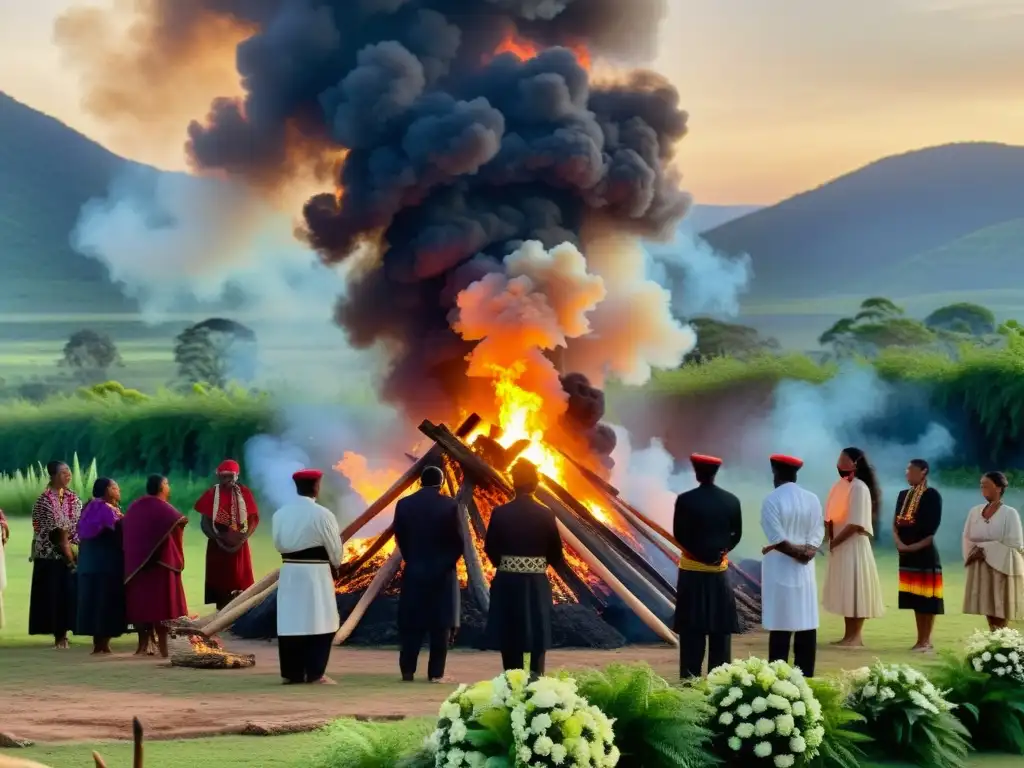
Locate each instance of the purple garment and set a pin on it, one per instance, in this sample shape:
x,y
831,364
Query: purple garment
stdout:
x,y
96,517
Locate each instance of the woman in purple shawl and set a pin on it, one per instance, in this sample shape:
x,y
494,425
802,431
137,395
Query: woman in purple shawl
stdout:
x,y
101,610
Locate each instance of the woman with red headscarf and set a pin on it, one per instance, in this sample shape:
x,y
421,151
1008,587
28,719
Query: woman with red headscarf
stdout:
x,y
229,518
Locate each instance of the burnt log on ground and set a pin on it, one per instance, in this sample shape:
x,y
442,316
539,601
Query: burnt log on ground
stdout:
x,y
572,625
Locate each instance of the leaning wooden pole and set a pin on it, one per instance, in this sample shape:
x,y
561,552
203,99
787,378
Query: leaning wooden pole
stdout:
x,y
225,619
642,611
267,582
380,580
478,586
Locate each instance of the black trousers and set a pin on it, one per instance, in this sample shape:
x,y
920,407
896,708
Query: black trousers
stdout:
x,y
514,657
805,649
692,647
411,641
304,657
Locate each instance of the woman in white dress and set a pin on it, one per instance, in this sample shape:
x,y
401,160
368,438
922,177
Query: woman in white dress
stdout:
x,y
993,546
852,588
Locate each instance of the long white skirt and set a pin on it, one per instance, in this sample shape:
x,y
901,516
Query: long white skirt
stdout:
x,y
852,588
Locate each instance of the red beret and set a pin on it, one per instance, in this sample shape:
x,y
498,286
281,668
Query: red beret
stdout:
x,y
700,458
789,461
308,474
228,465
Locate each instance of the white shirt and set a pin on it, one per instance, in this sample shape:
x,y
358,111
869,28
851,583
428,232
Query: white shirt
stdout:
x,y
306,604
789,590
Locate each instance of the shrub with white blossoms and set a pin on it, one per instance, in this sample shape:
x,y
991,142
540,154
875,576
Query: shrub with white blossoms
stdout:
x,y
554,726
765,714
999,653
462,736
893,686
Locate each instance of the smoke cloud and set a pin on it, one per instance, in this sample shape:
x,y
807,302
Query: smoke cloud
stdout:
x,y
702,281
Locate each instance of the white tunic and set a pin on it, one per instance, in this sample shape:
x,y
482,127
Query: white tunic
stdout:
x,y
306,604
789,590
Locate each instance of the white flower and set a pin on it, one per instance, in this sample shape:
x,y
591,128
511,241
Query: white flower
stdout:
x,y
745,730
735,744
543,745
869,691
787,689
778,702
540,723
784,725
450,710
978,666
746,680
558,754
799,709
457,731
764,726
762,749
784,761
455,757
814,709
744,711
760,704
725,718
798,745
886,693
815,736
1001,658
986,656
524,753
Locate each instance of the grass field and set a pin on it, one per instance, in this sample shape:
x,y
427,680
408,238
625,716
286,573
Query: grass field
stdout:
x,y
888,638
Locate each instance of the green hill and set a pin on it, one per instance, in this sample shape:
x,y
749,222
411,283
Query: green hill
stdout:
x,y
843,237
47,172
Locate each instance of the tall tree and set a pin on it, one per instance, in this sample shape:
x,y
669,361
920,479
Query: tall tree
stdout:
x,y
215,352
878,323
963,317
90,354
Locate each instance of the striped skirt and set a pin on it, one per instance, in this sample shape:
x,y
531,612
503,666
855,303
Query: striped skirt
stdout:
x,y
921,583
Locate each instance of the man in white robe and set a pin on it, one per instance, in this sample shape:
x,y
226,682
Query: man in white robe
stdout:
x,y
309,540
793,522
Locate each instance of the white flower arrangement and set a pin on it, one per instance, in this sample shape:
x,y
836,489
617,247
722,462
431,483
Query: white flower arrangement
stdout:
x,y
893,685
764,712
999,653
551,725
554,726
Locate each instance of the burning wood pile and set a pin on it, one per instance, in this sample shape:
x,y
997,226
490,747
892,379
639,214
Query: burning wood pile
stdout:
x,y
617,586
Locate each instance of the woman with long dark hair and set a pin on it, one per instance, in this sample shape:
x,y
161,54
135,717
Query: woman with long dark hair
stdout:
x,y
52,604
852,588
101,567
993,546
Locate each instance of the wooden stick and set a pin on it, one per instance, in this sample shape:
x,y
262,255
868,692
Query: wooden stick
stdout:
x,y
478,586
349,569
641,610
226,618
381,580
266,582
137,740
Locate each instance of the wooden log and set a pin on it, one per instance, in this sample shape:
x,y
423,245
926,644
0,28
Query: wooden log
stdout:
x,y
638,584
348,569
637,606
382,579
226,618
613,539
137,735
478,586
267,581
584,593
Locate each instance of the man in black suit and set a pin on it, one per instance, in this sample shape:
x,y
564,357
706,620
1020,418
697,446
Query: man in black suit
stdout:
x,y
708,525
430,539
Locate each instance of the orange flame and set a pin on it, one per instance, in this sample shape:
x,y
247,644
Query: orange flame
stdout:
x,y
521,417
524,50
369,483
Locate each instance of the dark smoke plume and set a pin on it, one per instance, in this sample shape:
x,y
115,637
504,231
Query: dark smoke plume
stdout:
x,y
455,155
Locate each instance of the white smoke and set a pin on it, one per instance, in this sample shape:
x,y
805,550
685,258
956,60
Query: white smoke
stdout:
x,y
647,478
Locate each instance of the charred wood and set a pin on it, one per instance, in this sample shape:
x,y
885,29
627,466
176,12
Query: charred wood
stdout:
x,y
477,582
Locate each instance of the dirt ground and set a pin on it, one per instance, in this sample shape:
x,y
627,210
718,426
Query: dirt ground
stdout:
x,y
185,703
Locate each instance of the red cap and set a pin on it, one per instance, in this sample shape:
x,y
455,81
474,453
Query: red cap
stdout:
x,y
789,461
700,458
228,465
308,474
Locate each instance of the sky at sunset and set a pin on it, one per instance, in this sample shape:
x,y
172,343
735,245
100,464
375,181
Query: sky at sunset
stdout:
x,y
782,94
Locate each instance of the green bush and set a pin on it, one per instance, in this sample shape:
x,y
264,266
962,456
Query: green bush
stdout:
x,y
19,491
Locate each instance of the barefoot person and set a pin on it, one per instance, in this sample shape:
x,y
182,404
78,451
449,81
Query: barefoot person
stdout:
x,y
708,524
309,540
918,514
852,589
101,610
793,523
993,547
522,541
229,516
52,605
428,536
154,557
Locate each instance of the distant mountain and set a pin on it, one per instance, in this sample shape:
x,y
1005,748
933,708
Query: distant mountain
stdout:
x,y
701,218
849,235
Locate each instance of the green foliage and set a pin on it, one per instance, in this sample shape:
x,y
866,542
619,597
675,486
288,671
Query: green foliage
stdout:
x,y
350,744
656,725
19,490
717,339
90,353
112,390
841,747
992,709
963,317
166,433
215,352
878,325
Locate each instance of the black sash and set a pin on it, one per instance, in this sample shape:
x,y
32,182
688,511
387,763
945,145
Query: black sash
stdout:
x,y
310,556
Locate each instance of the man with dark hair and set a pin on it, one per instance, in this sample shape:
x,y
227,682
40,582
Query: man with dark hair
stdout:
x,y
793,523
917,519
708,524
429,537
522,542
307,536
